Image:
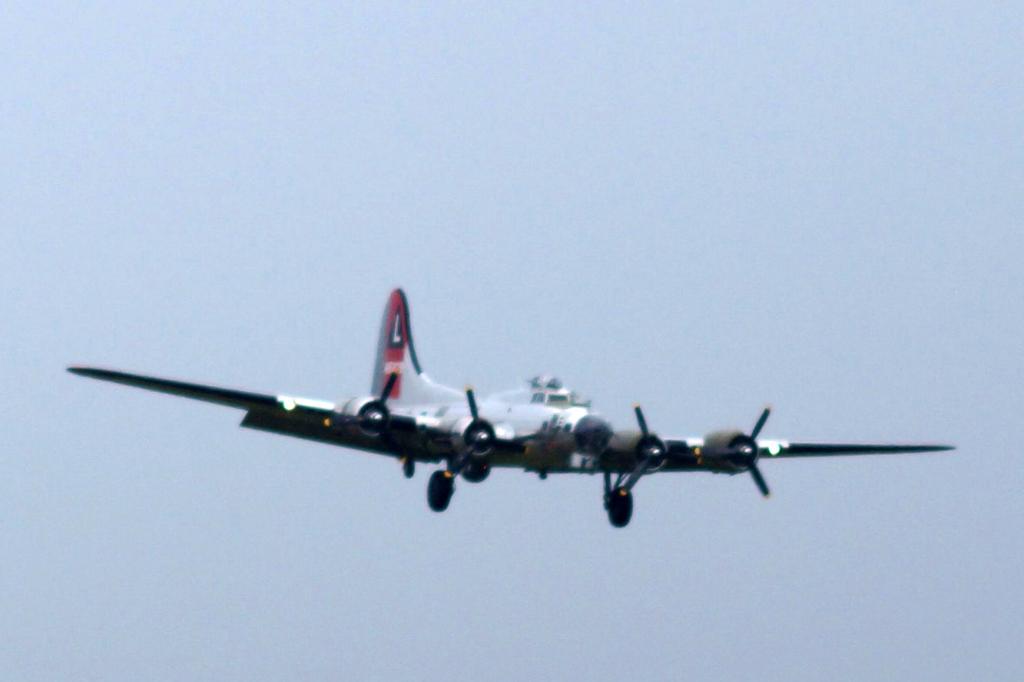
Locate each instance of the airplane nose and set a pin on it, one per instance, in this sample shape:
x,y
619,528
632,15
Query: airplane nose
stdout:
x,y
592,435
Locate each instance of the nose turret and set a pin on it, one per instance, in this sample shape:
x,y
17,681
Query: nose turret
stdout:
x,y
592,434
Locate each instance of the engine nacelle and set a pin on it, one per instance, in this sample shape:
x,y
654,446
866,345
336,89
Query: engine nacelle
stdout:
x,y
350,408
473,437
729,450
372,416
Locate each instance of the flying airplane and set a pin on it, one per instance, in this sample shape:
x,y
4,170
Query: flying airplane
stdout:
x,y
546,428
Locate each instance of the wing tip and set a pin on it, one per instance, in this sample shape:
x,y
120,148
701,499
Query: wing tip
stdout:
x,y
94,372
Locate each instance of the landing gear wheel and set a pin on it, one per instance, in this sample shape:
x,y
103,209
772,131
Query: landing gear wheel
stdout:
x,y
620,507
408,466
440,489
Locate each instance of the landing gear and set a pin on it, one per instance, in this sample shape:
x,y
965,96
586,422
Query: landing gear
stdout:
x,y
620,507
618,501
408,467
440,489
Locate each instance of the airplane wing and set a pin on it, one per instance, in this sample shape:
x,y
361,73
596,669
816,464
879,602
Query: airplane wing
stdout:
x,y
211,394
780,449
287,415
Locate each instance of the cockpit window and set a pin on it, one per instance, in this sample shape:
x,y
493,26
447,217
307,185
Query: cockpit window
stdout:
x,y
537,398
555,399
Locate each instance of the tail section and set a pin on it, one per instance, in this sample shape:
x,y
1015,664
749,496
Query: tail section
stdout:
x,y
397,354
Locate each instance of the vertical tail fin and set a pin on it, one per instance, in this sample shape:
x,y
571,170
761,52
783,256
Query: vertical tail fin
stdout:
x,y
397,354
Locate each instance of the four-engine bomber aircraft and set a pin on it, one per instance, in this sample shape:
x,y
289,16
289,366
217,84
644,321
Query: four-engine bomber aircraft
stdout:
x,y
545,429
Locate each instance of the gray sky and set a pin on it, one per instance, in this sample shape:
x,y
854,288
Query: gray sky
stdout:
x,y
704,208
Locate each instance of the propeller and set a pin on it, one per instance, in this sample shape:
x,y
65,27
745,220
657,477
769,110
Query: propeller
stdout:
x,y
650,451
374,417
479,434
650,446
388,387
745,451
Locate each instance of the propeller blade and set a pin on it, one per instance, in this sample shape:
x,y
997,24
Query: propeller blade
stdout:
x,y
471,399
760,422
388,387
640,419
759,480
